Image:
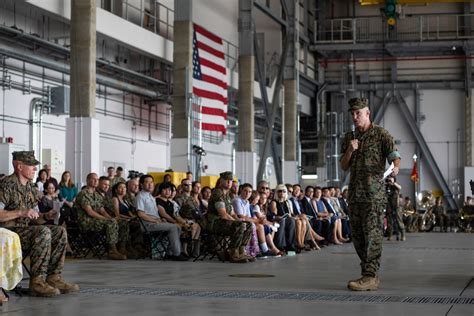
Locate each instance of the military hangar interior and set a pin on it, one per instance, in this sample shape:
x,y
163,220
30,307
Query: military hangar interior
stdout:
x,y
93,84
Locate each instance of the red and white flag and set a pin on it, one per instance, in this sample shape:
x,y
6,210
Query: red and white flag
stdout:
x,y
210,79
414,173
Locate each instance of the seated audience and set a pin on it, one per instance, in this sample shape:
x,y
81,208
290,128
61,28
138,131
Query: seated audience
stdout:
x,y
323,222
124,246
40,180
241,207
204,199
311,236
440,214
47,205
223,220
148,211
67,193
269,228
337,238
189,211
288,235
91,216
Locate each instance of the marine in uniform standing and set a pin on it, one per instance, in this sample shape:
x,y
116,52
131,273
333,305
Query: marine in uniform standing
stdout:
x,y
365,152
46,245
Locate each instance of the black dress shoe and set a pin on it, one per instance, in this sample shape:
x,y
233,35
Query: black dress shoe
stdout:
x,y
181,257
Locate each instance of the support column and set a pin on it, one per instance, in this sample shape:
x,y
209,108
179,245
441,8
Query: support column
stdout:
x,y
290,110
180,149
82,128
246,158
468,172
290,136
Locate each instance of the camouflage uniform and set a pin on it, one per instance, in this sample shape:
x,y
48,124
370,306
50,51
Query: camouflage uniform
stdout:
x,y
87,223
367,193
116,180
136,233
123,228
188,206
393,213
239,232
46,245
130,199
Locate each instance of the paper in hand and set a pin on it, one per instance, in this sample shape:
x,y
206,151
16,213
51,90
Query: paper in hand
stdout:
x,y
388,171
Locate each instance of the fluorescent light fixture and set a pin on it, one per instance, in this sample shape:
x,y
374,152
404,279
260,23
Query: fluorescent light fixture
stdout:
x,y
309,177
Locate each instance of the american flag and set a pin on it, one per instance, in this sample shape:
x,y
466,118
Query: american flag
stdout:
x,y
210,79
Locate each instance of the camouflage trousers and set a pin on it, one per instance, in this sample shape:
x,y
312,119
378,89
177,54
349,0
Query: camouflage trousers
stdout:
x,y
46,247
394,221
239,232
366,228
115,230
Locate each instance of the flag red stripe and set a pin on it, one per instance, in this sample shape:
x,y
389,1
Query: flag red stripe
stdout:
x,y
217,82
207,34
209,95
210,50
214,127
210,64
213,111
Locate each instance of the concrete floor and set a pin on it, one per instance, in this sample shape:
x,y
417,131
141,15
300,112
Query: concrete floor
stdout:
x,y
429,274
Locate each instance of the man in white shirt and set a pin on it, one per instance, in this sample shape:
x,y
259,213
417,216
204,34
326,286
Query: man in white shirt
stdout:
x,y
148,212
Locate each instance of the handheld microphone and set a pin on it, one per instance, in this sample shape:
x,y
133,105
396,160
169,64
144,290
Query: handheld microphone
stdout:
x,y
353,131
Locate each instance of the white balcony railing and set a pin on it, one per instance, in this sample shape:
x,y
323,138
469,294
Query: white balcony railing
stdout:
x,y
412,28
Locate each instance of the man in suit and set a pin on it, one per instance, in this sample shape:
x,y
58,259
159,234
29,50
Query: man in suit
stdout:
x,y
335,216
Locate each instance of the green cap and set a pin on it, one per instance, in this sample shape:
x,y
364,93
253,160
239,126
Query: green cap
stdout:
x,y
358,103
226,175
27,157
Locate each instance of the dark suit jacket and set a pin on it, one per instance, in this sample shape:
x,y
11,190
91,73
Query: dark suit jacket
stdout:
x,y
295,207
307,208
328,206
344,206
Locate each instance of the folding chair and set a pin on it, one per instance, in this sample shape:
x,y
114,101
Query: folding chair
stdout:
x,y
85,242
212,244
157,241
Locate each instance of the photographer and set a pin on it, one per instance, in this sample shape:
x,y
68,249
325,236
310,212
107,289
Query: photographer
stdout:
x,y
394,217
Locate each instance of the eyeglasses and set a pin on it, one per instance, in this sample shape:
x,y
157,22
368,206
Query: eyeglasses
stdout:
x,y
186,184
265,188
281,191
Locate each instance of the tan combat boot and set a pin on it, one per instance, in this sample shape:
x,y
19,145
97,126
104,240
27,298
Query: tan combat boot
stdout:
x,y
131,253
38,287
234,256
114,254
57,281
122,249
244,255
365,283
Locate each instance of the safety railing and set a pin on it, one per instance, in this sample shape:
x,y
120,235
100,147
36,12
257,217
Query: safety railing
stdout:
x,y
409,28
159,19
